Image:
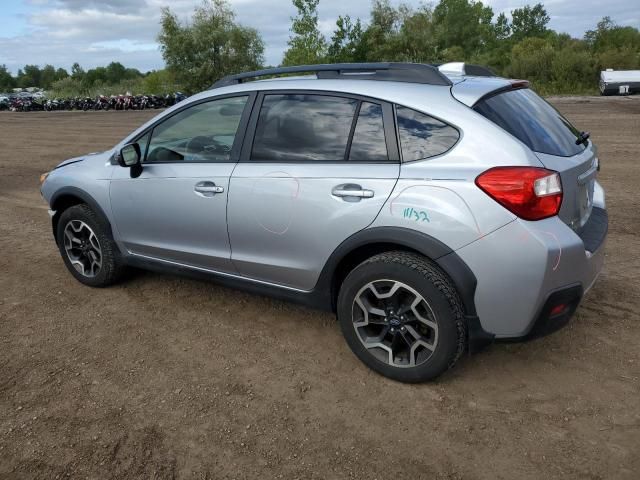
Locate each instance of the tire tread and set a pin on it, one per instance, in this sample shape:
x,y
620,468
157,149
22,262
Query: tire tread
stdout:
x,y
112,265
431,272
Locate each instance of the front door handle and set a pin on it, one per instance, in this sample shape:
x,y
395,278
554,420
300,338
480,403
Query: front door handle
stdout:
x,y
207,189
351,192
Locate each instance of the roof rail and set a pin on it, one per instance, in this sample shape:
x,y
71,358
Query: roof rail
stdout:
x,y
390,71
462,68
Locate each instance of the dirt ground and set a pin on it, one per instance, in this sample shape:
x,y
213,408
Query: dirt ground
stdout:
x,y
163,377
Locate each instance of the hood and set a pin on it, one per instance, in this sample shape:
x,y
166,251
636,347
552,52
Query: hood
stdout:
x,y
69,161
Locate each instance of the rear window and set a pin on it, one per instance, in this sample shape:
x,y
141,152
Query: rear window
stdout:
x,y
533,121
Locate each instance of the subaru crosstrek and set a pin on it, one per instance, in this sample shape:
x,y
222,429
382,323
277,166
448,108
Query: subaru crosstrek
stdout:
x,y
433,209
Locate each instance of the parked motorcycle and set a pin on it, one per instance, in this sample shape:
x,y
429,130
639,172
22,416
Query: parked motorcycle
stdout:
x,y
26,102
102,103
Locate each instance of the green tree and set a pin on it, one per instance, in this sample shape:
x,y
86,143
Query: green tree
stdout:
x,y
30,76
47,76
417,37
463,23
531,59
160,82
346,43
66,87
619,59
61,73
502,27
115,72
529,21
607,35
307,45
95,76
77,72
384,17
7,82
573,67
211,46
380,39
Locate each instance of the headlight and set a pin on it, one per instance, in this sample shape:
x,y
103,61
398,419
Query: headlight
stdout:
x,y
43,177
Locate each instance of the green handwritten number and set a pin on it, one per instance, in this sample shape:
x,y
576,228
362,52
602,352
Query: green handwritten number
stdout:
x,y
415,215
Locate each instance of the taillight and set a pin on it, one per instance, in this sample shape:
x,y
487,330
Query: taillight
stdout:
x,y
529,192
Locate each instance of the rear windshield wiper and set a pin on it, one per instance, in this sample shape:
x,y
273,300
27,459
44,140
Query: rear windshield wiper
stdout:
x,y
582,138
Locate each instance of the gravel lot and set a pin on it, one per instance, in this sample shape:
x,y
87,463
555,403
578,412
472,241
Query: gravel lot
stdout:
x,y
164,377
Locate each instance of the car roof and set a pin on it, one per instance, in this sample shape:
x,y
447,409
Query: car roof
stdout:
x,y
464,88
464,81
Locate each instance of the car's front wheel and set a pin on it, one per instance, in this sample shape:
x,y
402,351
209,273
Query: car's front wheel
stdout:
x,y
86,246
402,317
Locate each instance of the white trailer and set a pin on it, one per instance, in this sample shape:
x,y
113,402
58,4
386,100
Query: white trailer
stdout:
x,y
619,82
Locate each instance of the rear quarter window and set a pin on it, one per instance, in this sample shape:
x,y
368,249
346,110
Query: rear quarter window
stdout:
x,y
422,136
531,120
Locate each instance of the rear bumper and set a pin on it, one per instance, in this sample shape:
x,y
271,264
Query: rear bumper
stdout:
x,y
525,269
556,311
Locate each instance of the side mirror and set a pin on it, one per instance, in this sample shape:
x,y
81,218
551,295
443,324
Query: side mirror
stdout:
x,y
129,155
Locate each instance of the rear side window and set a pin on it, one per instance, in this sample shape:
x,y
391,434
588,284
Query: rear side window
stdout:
x,y
422,136
368,142
300,127
533,121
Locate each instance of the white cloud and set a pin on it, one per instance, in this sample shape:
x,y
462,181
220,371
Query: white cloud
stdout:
x,y
96,32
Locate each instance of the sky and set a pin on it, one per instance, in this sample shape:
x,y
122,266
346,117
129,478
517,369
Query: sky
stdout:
x,y
96,32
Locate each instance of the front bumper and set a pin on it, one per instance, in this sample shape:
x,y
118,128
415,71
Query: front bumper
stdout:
x,y
524,269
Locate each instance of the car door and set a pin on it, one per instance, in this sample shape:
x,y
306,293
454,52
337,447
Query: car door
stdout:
x,y
318,169
176,209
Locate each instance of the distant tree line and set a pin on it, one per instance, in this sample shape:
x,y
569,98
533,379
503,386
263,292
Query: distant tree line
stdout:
x,y
46,77
31,76
115,78
466,30
214,44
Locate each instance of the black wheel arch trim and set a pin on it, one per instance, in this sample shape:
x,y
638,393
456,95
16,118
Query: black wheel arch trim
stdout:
x,y
450,262
447,259
81,195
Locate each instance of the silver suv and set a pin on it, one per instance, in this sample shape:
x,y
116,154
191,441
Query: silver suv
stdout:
x,y
433,209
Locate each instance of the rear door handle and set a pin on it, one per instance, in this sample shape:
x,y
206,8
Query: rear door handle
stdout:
x,y
353,191
207,189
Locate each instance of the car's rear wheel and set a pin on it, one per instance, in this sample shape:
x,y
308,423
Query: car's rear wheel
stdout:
x,y
86,246
402,317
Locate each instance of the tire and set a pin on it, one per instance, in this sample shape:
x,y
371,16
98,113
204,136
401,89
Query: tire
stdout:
x,y
439,344
111,266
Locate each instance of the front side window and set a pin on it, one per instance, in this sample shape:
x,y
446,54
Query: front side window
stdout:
x,y
422,136
144,142
202,133
303,127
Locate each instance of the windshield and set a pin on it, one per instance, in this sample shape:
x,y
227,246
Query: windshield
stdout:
x,y
533,121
